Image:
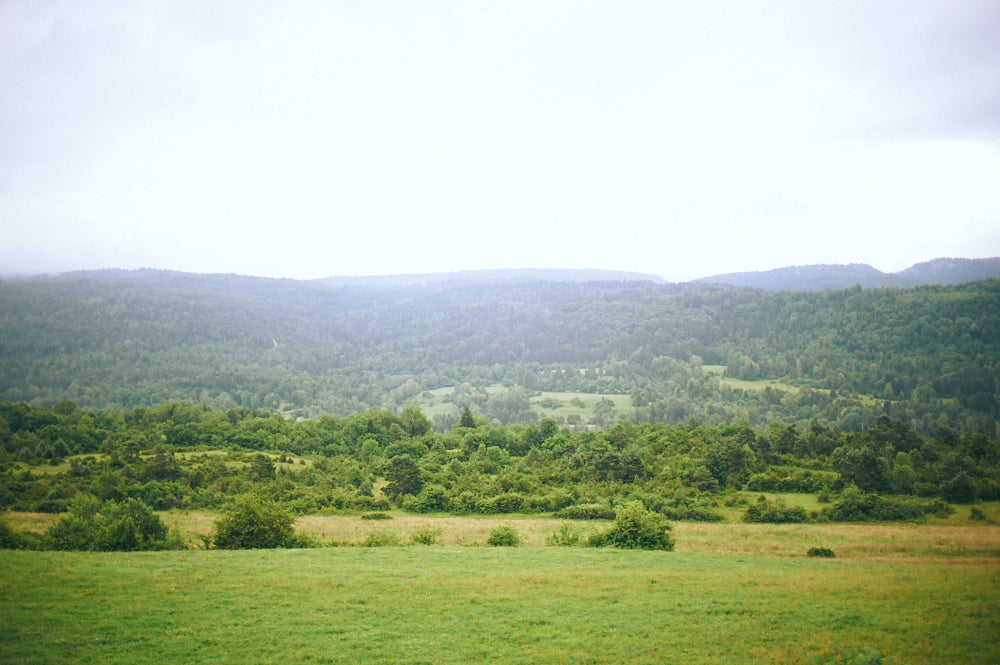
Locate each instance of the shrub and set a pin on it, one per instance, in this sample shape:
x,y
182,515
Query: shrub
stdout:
x,y
432,499
148,527
253,524
425,536
8,539
566,536
774,512
71,532
509,502
692,515
976,514
856,506
503,536
636,528
300,541
376,516
823,552
586,511
790,479
112,527
381,538
959,489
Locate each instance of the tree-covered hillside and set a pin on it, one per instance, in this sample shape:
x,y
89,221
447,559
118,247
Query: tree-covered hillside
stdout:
x,y
117,340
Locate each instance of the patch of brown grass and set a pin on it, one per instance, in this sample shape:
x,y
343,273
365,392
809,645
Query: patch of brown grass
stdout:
x,y
30,522
468,530
856,541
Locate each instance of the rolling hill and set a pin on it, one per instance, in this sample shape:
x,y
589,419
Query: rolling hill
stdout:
x,y
121,339
823,277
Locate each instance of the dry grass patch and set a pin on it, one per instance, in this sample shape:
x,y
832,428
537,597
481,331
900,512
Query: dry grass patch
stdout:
x,y
352,530
855,541
30,522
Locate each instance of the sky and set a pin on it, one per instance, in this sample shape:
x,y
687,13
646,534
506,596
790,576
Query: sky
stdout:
x,y
305,139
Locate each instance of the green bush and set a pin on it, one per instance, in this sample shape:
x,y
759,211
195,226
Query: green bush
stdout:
x,y
299,541
857,506
376,516
253,524
774,512
636,528
382,538
125,526
823,552
790,479
71,532
145,524
959,489
565,536
586,511
503,536
692,515
425,536
432,499
8,538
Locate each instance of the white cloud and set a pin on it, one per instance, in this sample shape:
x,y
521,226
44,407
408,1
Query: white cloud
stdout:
x,y
308,138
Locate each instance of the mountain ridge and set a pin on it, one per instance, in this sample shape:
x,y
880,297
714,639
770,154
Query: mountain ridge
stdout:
x,y
822,277
815,277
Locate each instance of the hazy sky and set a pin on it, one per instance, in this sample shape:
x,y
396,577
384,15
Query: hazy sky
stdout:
x,y
306,139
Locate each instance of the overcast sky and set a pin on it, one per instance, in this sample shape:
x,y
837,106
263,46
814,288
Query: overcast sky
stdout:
x,y
307,139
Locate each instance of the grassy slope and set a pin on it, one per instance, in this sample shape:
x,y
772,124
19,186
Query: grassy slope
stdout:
x,y
447,604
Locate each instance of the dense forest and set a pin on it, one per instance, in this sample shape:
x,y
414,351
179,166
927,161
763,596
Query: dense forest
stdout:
x,y
117,340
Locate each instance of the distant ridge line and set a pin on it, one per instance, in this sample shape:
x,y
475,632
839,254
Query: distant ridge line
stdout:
x,y
823,277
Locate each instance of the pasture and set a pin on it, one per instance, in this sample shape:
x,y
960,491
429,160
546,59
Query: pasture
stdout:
x,y
734,593
557,405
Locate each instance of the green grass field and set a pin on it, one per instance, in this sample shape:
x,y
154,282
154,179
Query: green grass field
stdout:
x,y
557,405
446,604
731,593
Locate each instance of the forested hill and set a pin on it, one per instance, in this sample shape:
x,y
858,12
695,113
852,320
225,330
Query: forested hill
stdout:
x,y
823,277
118,339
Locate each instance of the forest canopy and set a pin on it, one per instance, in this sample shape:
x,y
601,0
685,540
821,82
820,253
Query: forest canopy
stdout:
x,y
115,341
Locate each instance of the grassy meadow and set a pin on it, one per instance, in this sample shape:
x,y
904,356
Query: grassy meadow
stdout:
x,y
556,405
732,593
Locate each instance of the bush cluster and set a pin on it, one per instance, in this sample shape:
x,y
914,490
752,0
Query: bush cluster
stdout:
x,y
857,506
774,512
636,527
252,523
586,511
112,526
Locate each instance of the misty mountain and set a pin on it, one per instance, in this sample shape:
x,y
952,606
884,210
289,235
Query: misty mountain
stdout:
x,y
952,271
838,276
497,275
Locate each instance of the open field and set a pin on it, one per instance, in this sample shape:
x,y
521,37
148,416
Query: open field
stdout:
x,y
557,405
734,593
447,604
879,542
741,384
